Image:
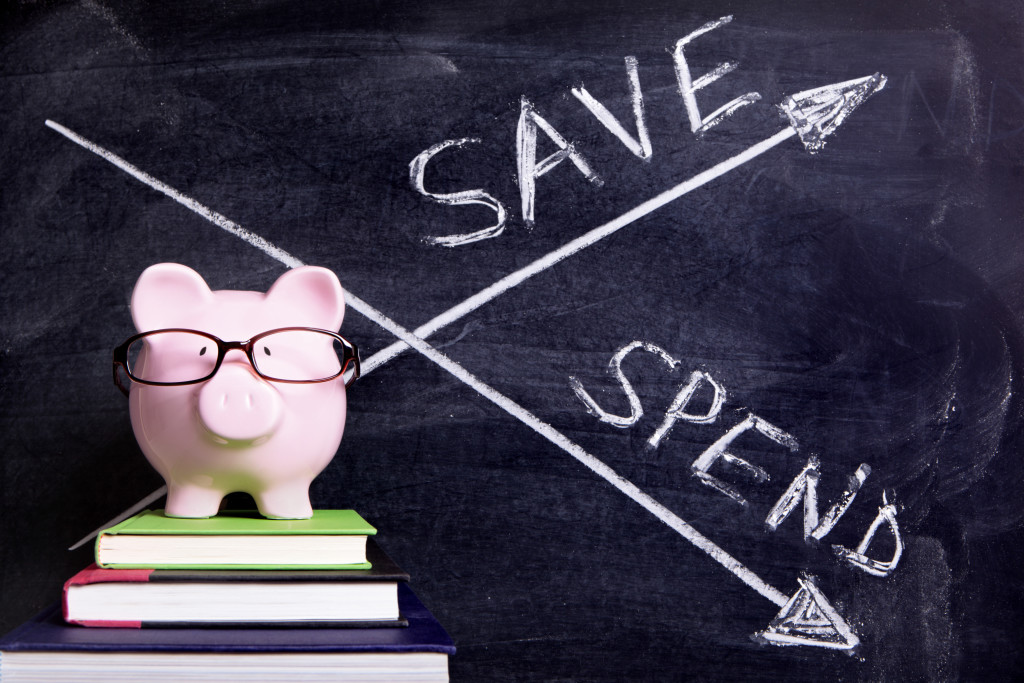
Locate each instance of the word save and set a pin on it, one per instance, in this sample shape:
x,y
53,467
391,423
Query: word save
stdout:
x,y
530,169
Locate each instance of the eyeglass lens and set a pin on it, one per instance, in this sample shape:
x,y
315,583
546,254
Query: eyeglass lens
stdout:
x,y
172,357
298,355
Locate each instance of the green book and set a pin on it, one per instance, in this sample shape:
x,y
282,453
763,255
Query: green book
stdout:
x,y
331,539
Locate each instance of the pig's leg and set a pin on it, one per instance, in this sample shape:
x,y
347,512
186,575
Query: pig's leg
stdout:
x,y
189,500
288,500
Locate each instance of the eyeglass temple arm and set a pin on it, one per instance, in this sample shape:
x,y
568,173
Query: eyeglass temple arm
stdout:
x,y
355,366
117,379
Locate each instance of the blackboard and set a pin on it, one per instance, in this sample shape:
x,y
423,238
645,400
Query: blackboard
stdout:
x,y
835,313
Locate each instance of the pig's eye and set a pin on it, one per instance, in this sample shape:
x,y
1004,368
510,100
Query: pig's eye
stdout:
x,y
202,351
266,350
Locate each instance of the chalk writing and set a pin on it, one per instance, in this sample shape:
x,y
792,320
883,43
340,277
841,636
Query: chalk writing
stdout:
x,y
416,169
859,558
805,486
526,155
813,115
615,365
717,451
640,147
688,87
677,410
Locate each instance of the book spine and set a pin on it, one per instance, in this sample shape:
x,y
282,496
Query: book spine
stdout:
x,y
94,574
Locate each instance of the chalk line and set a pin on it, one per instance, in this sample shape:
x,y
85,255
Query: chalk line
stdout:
x,y
583,241
156,495
508,405
212,216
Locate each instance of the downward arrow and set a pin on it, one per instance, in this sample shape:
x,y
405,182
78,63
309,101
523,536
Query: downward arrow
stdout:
x,y
813,115
808,618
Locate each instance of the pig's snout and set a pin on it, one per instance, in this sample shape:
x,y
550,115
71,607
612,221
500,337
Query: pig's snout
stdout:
x,y
236,405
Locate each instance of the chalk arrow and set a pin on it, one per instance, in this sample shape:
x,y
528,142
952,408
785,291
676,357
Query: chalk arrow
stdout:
x,y
808,618
813,115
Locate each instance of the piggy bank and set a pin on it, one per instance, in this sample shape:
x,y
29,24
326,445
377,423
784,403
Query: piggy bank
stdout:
x,y
237,391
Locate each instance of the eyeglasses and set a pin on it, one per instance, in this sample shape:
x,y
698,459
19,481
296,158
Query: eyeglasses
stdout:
x,y
293,355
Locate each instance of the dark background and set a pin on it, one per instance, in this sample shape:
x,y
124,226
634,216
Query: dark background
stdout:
x,y
867,299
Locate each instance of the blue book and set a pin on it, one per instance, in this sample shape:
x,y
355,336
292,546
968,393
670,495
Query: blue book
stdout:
x,y
47,648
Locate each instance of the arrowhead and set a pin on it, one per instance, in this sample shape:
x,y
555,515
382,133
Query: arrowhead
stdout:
x,y
815,114
809,619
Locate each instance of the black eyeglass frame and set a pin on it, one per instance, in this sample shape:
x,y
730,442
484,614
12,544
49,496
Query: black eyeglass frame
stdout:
x,y
351,357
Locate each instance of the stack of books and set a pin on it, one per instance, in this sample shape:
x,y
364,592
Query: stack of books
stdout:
x,y
234,597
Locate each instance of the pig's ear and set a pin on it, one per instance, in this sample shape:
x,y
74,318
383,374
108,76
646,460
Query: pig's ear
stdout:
x,y
313,295
164,292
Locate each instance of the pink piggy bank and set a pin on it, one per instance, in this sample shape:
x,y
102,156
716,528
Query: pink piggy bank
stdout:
x,y
237,391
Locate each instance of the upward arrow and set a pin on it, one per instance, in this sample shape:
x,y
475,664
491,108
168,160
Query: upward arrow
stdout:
x,y
813,115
